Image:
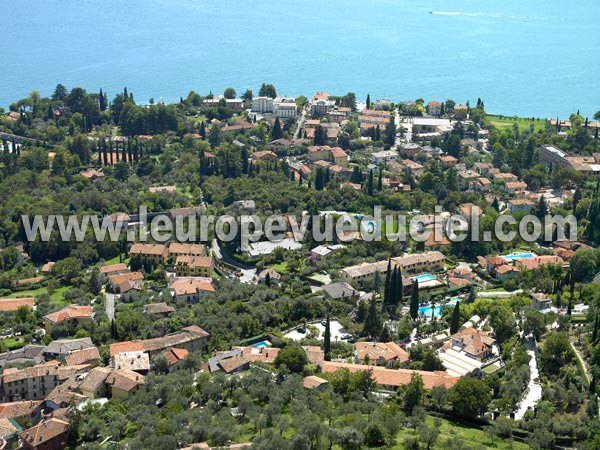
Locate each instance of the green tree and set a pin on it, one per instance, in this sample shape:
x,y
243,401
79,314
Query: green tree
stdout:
x,y
534,323
413,392
276,132
455,322
370,183
327,339
293,357
372,326
320,137
229,93
414,301
470,397
95,285
267,90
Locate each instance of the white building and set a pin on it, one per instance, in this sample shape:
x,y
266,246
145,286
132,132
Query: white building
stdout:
x,y
285,108
383,103
262,104
384,155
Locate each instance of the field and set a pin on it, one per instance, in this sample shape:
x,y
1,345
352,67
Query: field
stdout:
x,y
504,122
470,437
56,298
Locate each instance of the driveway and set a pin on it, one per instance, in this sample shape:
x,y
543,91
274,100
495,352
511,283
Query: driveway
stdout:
x,y
110,305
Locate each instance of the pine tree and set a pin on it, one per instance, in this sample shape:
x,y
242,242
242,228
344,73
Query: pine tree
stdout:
x,y
276,132
455,323
327,339
414,301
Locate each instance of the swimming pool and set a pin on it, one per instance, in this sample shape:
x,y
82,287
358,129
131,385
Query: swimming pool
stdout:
x,y
514,256
426,311
261,344
437,309
423,278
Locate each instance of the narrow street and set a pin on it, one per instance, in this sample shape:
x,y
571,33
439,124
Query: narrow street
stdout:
x,y
300,124
533,393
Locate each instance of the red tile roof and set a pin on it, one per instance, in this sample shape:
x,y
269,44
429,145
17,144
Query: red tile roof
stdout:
x,y
12,304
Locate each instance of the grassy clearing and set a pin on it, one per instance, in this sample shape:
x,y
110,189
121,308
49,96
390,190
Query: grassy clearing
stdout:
x,y
115,260
56,298
524,124
280,268
468,436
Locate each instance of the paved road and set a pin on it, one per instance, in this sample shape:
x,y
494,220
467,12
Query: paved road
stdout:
x,y
110,305
300,123
533,393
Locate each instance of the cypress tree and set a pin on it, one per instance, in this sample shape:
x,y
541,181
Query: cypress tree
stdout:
x,y
372,326
414,301
380,182
370,183
368,101
276,132
327,340
455,323
391,295
386,288
203,131
399,294
319,179
595,333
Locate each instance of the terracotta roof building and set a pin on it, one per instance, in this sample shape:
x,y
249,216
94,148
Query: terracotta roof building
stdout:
x,y
85,356
13,304
71,315
47,435
390,379
191,338
380,354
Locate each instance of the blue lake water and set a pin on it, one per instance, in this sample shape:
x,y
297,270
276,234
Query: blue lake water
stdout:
x,y
522,57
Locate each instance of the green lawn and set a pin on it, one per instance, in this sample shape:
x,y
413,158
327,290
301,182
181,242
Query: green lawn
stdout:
x,y
115,260
280,268
505,122
56,298
469,436
11,343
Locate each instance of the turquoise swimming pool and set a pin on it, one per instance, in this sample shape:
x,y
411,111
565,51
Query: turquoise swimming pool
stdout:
x,y
424,277
437,309
261,344
514,256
